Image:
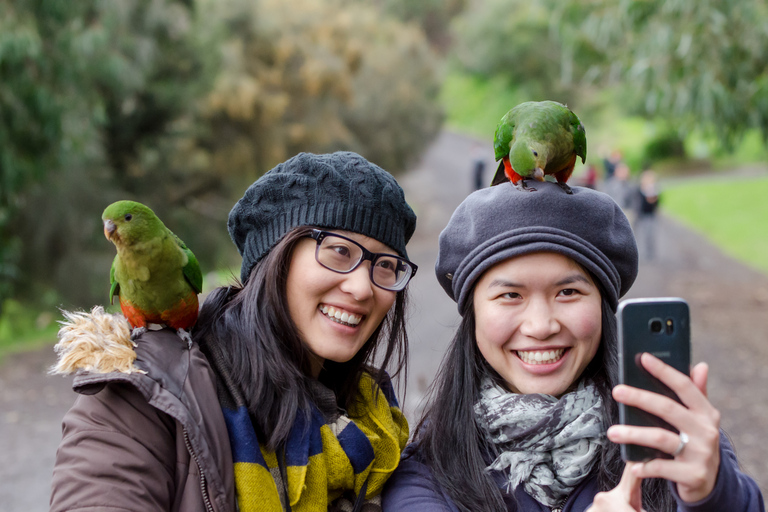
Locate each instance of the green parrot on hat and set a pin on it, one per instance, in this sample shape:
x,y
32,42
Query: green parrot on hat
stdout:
x,y
536,139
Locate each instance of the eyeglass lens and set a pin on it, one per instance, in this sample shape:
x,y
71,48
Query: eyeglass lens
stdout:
x,y
343,255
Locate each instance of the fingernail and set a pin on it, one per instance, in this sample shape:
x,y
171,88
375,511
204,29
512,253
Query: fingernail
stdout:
x,y
650,358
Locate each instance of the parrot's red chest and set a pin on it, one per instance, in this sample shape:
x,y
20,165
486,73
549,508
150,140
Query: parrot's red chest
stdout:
x,y
510,172
182,315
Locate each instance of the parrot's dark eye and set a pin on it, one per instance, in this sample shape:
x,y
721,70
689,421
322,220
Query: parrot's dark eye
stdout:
x,y
535,153
128,217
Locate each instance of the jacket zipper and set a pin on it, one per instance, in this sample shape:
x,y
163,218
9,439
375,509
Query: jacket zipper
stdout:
x,y
203,488
561,505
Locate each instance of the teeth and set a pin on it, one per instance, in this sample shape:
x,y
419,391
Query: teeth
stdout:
x,y
541,356
339,316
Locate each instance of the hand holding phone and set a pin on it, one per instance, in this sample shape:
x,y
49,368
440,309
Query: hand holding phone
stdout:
x,y
661,327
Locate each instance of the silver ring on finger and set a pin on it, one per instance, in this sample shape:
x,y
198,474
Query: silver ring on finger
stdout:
x,y
683,441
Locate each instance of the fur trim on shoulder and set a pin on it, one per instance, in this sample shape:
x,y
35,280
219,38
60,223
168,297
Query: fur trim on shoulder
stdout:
x,y
97,342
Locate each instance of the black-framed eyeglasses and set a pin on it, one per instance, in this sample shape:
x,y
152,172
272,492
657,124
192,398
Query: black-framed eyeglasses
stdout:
x,y
343,255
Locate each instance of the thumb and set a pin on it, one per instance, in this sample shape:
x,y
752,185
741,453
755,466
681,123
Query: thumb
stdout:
x,y
630,486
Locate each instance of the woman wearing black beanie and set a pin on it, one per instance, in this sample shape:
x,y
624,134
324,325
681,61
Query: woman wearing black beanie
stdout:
x,y
283,403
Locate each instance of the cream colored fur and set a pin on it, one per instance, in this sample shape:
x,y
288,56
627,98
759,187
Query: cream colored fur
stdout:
x,y
97,342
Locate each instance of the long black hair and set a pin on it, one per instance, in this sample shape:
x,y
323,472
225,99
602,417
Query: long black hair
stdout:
x,y
248,328
455,447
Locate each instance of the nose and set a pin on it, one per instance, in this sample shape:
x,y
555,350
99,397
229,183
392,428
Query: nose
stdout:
x,y
539,321
358,283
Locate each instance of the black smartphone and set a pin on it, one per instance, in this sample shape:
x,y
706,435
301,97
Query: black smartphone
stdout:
x,y
659,326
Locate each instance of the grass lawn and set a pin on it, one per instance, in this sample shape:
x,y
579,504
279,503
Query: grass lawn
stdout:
x,y
732,214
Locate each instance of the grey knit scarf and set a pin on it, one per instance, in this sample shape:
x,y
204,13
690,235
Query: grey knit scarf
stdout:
x,y
546,445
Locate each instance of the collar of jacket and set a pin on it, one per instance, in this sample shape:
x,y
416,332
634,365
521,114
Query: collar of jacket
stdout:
x,y
166,382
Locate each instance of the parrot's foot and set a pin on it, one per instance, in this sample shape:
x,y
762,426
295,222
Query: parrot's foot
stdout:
x,y
185,336
565,187
137,332
522,186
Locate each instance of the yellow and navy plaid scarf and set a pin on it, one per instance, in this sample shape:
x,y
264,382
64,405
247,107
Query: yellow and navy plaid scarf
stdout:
x,y
322,461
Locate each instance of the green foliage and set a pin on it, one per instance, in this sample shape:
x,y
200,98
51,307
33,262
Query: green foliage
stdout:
x,y
474,104
700,65
665,145
728,212
21,326
532,44
433,16
181,105
97,103
318,75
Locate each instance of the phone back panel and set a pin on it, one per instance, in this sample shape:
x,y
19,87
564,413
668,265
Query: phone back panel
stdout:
x,y
660,327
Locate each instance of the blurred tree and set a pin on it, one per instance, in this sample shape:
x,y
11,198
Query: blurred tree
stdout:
x,y
319,75
96,99
180,105
703,64
433,16
699,64
34,94
532,44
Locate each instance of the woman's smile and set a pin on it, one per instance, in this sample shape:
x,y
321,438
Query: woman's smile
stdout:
x,y
540,357
340,316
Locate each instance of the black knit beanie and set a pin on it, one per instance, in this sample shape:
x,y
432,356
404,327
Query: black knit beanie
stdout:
x,y
497,223
342,190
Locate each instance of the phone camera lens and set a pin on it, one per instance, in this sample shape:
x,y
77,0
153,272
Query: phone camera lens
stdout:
x,y
656,325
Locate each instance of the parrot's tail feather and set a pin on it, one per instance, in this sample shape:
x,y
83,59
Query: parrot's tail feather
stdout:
x,y
97,342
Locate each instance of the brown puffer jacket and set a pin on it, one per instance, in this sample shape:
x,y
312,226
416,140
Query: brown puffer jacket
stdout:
x,y
153,441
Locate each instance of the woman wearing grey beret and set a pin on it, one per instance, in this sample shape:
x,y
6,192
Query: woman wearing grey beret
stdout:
x,y
520,412
283,402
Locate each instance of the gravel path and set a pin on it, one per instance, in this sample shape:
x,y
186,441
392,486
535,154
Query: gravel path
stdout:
x,y
728,306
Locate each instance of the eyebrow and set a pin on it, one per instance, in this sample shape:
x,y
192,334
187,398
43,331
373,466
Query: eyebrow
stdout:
x,y
575,278
504,283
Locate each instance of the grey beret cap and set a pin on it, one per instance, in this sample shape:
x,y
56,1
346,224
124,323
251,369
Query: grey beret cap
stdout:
x,y
341,190
497,223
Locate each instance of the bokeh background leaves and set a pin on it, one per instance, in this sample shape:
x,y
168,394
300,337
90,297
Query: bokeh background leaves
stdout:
x,y
181,105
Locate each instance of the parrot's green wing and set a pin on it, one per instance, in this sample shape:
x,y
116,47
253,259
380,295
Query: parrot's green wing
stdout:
x,y
502,138
505,131
114,288
191,270
579,138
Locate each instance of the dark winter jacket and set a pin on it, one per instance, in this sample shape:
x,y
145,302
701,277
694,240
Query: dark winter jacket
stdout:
x,y
412,488
146,441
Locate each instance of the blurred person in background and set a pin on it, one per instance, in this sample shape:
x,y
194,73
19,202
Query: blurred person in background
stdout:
x,y
620,187
478,166
646,201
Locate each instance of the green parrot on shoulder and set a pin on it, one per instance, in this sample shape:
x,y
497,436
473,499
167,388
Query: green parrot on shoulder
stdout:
x,y
535,139
155,275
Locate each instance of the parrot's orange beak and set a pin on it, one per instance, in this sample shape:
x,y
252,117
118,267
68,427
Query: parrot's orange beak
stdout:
x,y
109,229
538,174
